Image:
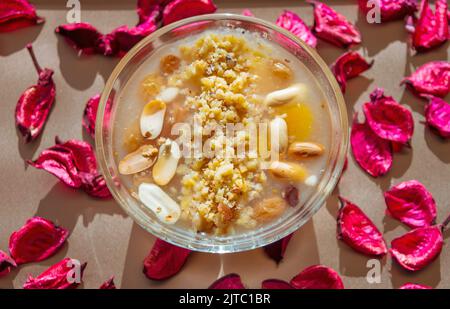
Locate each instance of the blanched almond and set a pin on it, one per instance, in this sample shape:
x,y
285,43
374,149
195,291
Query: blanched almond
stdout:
x,y
167,163
137,161
288,170
152,119
296,92
162,205
305,150
279,133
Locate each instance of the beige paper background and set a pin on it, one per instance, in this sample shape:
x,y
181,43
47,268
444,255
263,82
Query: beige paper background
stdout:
x,y
112,244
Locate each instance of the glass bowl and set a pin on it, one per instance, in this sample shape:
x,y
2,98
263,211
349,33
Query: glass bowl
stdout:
x,y
250,239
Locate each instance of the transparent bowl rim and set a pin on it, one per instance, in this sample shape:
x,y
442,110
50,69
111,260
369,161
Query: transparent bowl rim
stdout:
x,y
268,235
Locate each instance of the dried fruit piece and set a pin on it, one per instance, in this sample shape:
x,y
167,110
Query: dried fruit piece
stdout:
x,y
388,119
431,29
35,103
293,23
390,9
16,14
90,114
358,231
333,27
108,284
162,205
275,284
349,65
437,114
288,170
415,286
291,195
269,209
180,9
411,203
303,150
372,153
164,260
6,264
169,64
431,78
37,240
57,276
277,249
228,282
247,12
318,277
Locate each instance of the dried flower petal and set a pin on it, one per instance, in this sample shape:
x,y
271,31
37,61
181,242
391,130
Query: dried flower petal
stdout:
x,y
333,27
180,9
81,36
228,282
411,203
358,231
418,248
277,249
164,260
150,10
35,103
387,118
124,38
6,264
318,277
372,153
431,78
16,14
431,29
293,23
349,65
90,114
108,285
415,286
275,284
247,12
390,9
56,276
437,114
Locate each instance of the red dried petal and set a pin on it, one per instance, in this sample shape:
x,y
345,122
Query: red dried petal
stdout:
x,y
277,249
108,285
431,29
437,114
55,277
358,231
35,103
318,277
150,9
387,118
90,114
333,27
415,286
247,12
228,282
6,264
164,260
293,23
431,78
81,36
16,14
95,186
37,240
83,155
417,248
390,9
349,65
372,153
275,284
180,9
125,38
411,203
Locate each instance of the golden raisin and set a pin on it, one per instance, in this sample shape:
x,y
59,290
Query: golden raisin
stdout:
x,y
269,209
169,64
151,86
281,70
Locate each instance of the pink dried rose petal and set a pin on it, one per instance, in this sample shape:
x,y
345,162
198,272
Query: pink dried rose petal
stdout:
x,y
431,78
6,264
228,282
95,186
56,276
108,284
16,14
275,284
81,36
164,260
37,240
358,231
411,203
247,12
277,249
349,65
293,23
390,9
415,286
90,114
372,153
431,29
180,9
437,115
35,103
388,119
150,9
333,27
317,277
